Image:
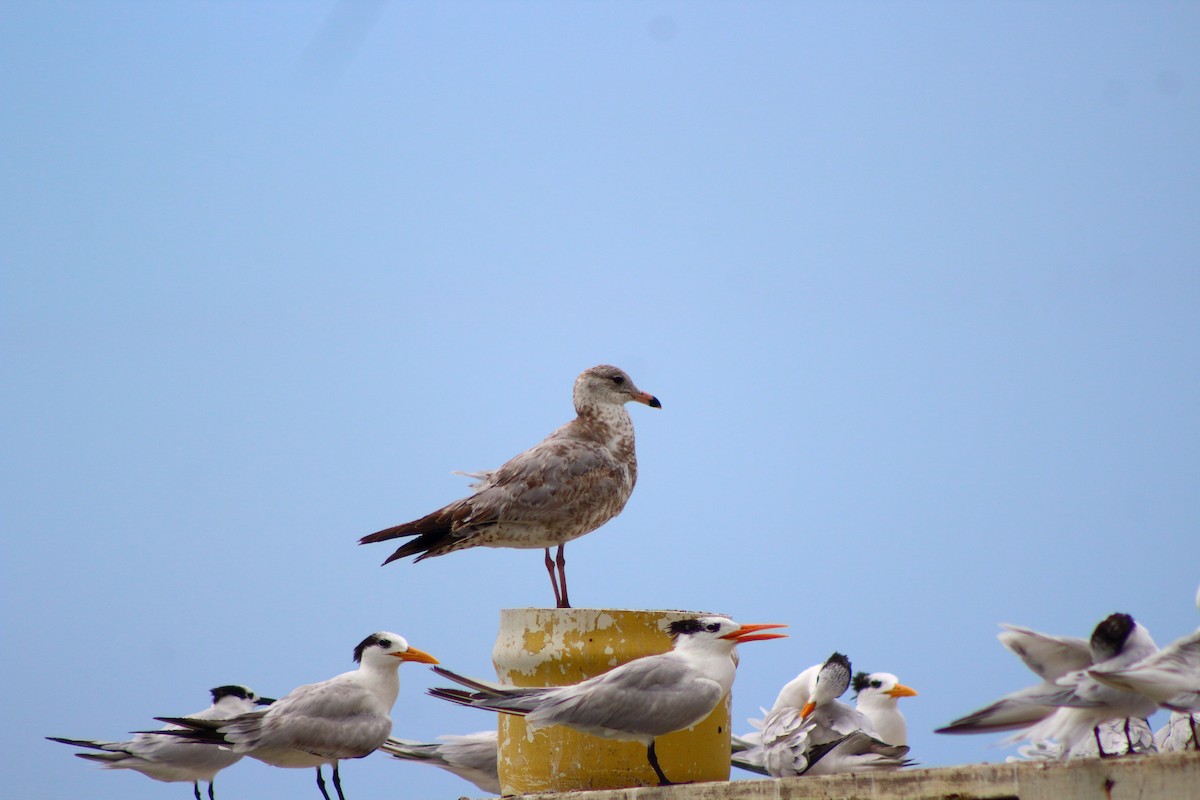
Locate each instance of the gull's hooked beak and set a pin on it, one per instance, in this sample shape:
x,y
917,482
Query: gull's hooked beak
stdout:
x,y
413,654
746,633
900,690
648,399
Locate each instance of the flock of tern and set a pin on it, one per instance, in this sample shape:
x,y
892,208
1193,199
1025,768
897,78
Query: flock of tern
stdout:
x,y
1092,699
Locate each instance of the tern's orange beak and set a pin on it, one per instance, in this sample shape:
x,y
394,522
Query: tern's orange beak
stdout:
x,y
413,654
808,709
900,690
746,633
648,399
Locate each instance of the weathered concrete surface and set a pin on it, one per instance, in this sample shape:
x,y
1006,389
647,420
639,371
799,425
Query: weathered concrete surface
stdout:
x,y
1165,776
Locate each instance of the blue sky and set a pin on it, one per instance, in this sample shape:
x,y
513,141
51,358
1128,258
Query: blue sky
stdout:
x,y
918,285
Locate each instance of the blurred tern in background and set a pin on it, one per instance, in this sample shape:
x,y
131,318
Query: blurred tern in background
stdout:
x,y
1070,706
471,757
347,716
636,701
165,758
570,484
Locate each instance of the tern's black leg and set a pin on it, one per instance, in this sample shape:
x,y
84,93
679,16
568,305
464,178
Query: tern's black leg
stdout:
x,y
211,796
1195,737
321,784
196,789
553,579
1128,738
337,781
1099,746
662,778
562,575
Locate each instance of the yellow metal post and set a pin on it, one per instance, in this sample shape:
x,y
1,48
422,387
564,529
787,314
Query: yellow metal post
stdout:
x,y
559,646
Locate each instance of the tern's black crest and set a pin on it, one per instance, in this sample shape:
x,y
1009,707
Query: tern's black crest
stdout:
x,y
1109,637
231,691
371,641
685,626
841,660
861,681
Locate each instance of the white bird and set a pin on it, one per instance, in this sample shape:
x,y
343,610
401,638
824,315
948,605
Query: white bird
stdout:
x,y
578,478
1180,733
878,698
1069,706
167,759
808,732
347,716
636,701
471,757
1172,678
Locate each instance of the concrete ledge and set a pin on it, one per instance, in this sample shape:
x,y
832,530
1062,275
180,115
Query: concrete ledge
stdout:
x,y
1164,776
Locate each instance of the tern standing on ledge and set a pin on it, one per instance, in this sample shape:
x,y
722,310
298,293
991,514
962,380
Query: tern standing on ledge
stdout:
x,y
637,701
570,484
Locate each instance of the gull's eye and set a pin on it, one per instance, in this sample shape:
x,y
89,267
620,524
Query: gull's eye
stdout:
x,y
618,380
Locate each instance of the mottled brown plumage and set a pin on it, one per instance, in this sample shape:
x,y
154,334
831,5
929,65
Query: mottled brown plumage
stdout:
x,y
571,483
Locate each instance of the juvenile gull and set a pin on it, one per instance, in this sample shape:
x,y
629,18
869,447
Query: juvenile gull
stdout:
x,y
571,483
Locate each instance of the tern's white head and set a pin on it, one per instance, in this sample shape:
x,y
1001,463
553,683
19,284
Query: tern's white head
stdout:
x,y
1118,635
877,695
879,690
717,632
607,385
797,692
385,650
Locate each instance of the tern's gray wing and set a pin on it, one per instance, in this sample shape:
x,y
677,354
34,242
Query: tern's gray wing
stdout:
x,y
1172,672
471,757
786,742
1050,657
648,697
334,719
1019,709
856,752
835,719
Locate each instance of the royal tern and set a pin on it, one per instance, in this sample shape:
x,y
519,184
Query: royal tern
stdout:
x,y
570,484
877,696
471,757
808,732
1069,706
1172,678
636,701
165,758
347,716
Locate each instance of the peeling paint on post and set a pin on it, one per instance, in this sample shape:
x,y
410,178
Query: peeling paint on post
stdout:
x,y
559,646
